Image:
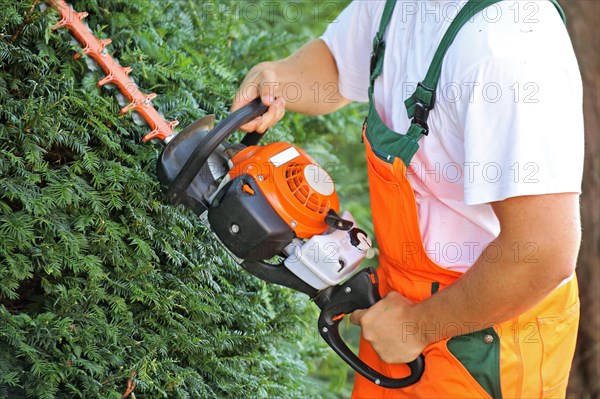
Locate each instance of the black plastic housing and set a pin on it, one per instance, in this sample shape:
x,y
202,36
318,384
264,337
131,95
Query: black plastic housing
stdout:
x,y
246,223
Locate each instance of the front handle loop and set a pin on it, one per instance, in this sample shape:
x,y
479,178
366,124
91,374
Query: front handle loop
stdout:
x,y
209,144
360,292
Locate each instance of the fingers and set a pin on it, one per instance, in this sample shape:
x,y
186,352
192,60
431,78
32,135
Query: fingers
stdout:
x,y
261,82
356,317
272,116
380,308
268,119
252,125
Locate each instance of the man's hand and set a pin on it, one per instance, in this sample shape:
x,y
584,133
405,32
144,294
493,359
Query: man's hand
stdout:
x,y
390,326
309,77
262,81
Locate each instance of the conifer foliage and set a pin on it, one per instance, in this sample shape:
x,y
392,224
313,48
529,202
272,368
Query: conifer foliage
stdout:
x,y
103,286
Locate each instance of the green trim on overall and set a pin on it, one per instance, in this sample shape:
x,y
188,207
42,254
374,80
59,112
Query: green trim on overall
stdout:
x,y
481,359
396,145
386,143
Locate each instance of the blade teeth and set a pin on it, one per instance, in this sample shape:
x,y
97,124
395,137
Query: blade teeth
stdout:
x,y
128,108
116,74
59,24
152,135
107,79
148,98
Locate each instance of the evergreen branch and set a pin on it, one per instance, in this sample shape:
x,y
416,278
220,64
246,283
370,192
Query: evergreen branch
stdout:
x,y
130,386
25,22
99,277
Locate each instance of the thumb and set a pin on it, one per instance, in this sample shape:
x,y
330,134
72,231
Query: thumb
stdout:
x,y
244,96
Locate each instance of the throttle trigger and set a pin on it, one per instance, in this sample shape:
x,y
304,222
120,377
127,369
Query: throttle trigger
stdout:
x,y
338,317
247,189
374,278
337,222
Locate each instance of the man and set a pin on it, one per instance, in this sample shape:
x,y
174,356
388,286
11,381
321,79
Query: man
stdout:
x,y
477,225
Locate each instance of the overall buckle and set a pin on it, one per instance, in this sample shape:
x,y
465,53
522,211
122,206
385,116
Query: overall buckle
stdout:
x,y
421,110
375,53
420,116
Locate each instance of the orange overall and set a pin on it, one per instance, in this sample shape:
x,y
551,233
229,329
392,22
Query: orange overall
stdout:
x,y
526,357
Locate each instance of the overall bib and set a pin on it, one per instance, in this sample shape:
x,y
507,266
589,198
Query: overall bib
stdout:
x,y
527,357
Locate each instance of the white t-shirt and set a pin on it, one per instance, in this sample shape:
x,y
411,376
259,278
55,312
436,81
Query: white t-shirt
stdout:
x,y
508,119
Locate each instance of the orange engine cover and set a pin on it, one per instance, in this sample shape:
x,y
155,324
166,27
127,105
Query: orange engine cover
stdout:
x,y
299,190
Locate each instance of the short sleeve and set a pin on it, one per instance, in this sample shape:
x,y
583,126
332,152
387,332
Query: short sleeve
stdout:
x,y
523,128
349,39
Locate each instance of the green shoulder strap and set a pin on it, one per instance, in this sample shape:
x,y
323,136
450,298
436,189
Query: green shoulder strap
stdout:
x,y
378,42
422,100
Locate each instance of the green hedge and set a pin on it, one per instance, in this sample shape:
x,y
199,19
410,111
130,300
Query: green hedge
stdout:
x,y
100,280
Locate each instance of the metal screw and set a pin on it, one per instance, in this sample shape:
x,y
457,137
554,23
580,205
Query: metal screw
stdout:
x,y
293,224
488,338
235,228
103,51
146,101
347,290
377,381
260,177
324,329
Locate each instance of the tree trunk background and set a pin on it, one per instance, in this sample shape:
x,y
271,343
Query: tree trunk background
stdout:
x,y
583,21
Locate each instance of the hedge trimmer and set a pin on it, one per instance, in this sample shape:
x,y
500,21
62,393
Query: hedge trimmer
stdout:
x,y
261,202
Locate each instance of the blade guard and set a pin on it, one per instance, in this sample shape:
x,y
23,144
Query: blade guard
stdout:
x,y
178,151
193,160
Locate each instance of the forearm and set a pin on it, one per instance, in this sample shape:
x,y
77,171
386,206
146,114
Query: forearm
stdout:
x,y
307,79
494,290
510,277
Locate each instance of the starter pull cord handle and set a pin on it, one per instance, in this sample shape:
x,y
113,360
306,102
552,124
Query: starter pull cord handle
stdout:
x,y
360,292
216,136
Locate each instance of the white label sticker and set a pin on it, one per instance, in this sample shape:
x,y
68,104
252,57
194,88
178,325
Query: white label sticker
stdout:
x,y
284,156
